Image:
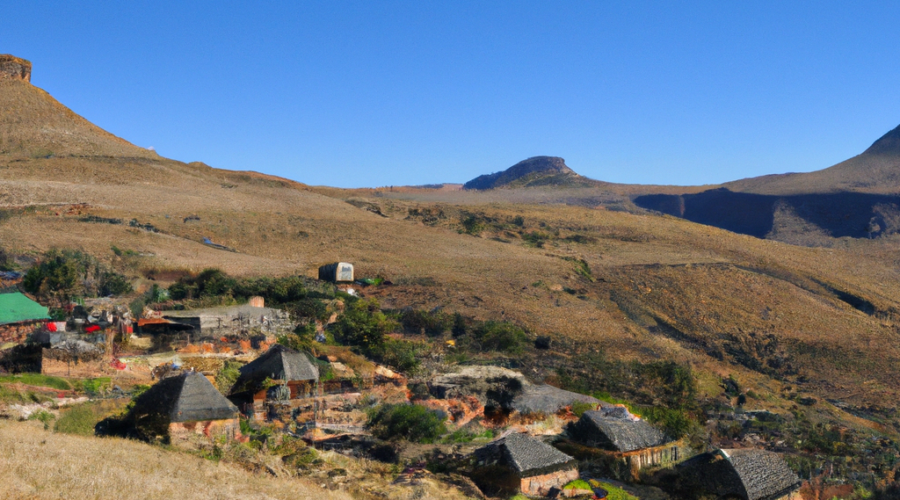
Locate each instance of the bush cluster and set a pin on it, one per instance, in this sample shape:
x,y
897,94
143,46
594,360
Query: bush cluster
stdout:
x,y
215,283
64,274
411,422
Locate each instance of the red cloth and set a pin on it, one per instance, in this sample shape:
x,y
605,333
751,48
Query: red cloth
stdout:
x,y
51,327
92,329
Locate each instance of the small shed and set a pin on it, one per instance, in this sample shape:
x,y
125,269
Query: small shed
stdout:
x,y
19,317
521,463
267,378
748,474
181,406
337,272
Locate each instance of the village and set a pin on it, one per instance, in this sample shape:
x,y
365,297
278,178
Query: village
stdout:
x,y
202,379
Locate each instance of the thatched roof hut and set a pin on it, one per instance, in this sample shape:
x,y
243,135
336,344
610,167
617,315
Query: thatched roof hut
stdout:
x,y
188,397
749,474
615,429
525,455
278,363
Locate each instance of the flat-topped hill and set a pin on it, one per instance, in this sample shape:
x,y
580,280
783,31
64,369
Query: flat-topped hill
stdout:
x,y
535,171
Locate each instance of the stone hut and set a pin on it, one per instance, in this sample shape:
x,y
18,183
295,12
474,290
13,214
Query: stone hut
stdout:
x,y
180,407
634,444
748,474
20,317
521,463
280,374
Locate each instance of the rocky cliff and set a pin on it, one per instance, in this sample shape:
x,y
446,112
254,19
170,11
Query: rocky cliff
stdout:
x,y
14,68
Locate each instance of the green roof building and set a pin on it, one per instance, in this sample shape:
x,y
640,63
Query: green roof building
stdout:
x,y
17,308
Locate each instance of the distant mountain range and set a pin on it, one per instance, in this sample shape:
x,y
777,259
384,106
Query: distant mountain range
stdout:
x,y
858,198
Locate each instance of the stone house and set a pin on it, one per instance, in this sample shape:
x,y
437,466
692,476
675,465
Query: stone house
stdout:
x,y
748,474
631,444
181,408
521,463
233,320
278,376
20,317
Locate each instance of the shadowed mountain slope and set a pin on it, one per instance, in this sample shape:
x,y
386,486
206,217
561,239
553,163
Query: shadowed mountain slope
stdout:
x,y
876,170
857,198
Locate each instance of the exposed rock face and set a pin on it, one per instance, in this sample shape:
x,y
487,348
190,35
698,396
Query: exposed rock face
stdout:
x,y
14,68
491,385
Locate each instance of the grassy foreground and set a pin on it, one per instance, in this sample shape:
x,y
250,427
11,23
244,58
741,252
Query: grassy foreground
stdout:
x,y
35,464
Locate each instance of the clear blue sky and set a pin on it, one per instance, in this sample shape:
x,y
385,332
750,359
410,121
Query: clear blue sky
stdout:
x,y
379,93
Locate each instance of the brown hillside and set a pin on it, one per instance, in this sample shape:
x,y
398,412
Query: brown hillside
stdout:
x,y
875,171
813,321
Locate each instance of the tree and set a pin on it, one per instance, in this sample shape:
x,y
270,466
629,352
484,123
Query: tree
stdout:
x,y
364,325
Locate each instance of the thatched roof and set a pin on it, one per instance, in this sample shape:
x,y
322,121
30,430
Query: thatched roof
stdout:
x,y
621,432
526,455
185,398
547,399
763,474
278,363
749,474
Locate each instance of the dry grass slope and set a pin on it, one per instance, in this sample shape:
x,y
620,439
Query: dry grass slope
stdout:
x,y
40,465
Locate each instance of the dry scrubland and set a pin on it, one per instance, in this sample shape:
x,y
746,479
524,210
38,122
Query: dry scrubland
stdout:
x,y
783,319
36,464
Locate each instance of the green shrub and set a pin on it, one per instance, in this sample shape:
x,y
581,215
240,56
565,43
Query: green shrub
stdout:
x,y
93,386
363,325
500,336
578,408
43,416
228,375
215,283
64,274
309,308
401,355
430,323
411,422
467,436
675,423
80,420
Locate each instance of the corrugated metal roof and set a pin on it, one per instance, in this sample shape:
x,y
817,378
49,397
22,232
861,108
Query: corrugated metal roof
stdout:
x,y
16,307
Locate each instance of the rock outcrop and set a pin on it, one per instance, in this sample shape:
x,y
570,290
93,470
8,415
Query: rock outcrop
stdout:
x,y
14,68
535,171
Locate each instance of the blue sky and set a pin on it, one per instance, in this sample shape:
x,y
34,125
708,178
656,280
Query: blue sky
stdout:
x,y
379,93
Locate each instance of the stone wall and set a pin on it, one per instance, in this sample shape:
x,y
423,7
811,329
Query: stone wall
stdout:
x,y
667,454
18,332
75,368
186,433
14,68
541,485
